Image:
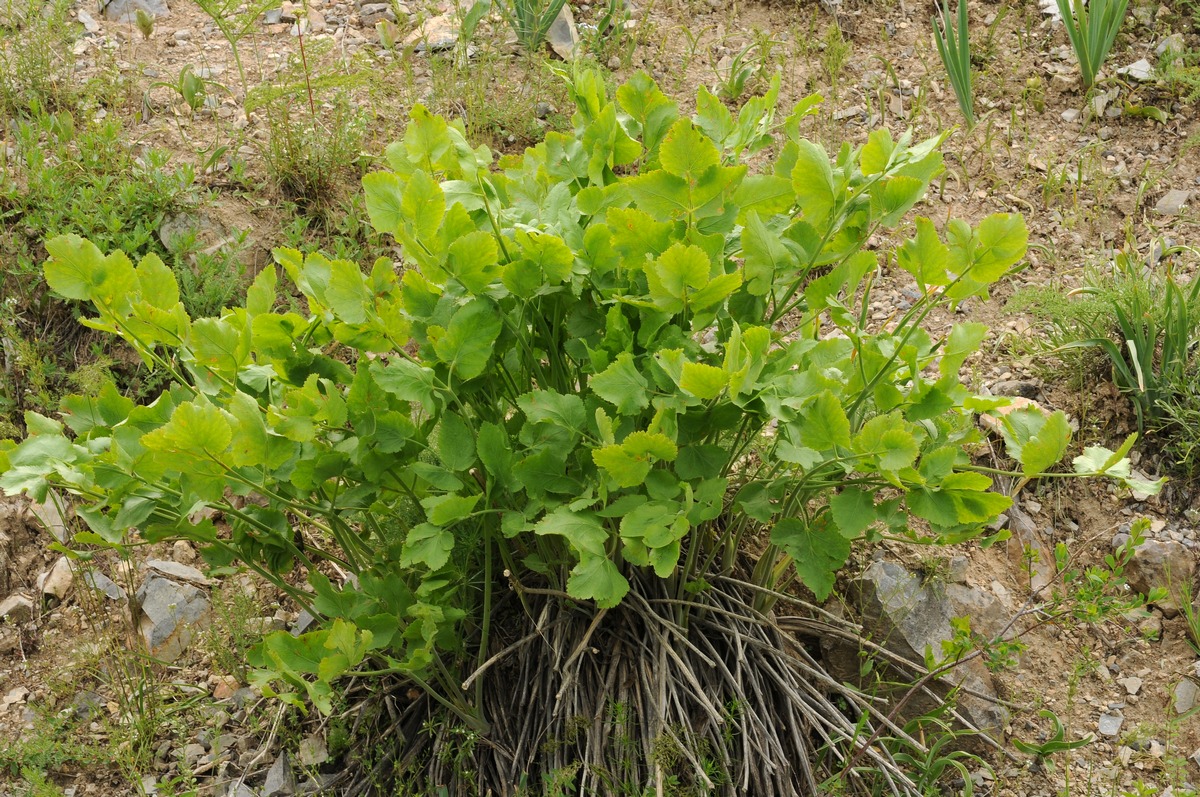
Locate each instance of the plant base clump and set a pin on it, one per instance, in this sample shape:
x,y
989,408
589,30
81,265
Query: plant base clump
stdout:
x,y
703,695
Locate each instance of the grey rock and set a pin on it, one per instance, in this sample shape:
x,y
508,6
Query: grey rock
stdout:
x,y
1168,565
192,753
1138,70
50,515
1173,202
56,583
434,34
126,10
198,230
170,613
1110,723
87,704
1132,684
1184,696
313,751
563,36
1016,387
1070,115
303,622
102,583
177,571
1174,43
16,608
958,569
371,13
88,21
273,16
908,617
281,780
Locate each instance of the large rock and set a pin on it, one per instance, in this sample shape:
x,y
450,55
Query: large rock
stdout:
x,y
908,617
281,780
171,612
56,582
16,608
126,10
1167,565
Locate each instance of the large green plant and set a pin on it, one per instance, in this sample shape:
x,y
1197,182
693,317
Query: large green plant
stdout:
x,y
618,358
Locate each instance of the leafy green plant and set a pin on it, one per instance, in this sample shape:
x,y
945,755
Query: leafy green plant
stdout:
x,y
190,86
604,369
954,47
1092,28
530,20
733,79
1055,743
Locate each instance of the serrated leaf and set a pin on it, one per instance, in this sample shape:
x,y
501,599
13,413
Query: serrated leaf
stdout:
x,y
705,382
583,530
626,469
622,385
818,552
686,152
812,181
853,511
406,380
466,344
443,510
455,443
823,424
597,578
429,545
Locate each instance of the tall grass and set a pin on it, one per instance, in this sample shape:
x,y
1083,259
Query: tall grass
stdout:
x,y
1092,28
954,47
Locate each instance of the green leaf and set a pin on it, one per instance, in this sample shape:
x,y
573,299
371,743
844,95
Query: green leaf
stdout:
x,y
406,380
422,207
686,152
347,295
455,443
597,578
622,385
673,275
812,180
818,552
823,424
963,341
705,382
626,469
195,427
925,256
466,344
384,195
1002,240
1046,447
76,267
583,530
429,545
877,152
853,511
443,510
547,406
220,346
157,282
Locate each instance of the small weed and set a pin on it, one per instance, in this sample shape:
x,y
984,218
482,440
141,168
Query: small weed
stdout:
x,y
954,47
36,65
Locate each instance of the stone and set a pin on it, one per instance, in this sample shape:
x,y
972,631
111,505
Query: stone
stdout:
x,y
192,753
1167,565
103,584
1016,388
273,16
50,515
16,609
1184,696
908,617
126,10
225,687
1139,70
1173,43
1029,550
313,751
563,36
193,230
303,622
1132,684
170,613
87,704
15,697
1110,723
281,780
1070,115
56,583
88,21
1173,202
177,571
433,35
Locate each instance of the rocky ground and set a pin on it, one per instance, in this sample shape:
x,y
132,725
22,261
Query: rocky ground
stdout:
x,y
82,711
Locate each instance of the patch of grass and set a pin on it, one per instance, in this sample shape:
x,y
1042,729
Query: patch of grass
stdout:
x,y
36,65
